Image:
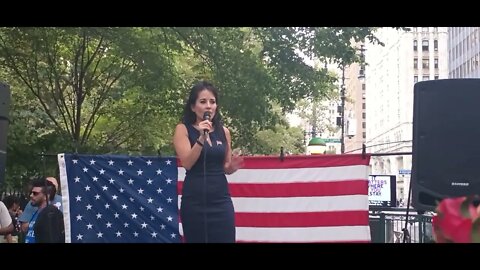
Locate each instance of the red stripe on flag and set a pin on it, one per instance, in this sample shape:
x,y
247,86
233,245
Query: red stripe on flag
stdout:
x,y
179,187
305,219
350,187
303,161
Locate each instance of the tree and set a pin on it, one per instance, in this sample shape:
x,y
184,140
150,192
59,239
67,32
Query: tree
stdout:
x,y
79,74
257,66
269,142
118,90
67,80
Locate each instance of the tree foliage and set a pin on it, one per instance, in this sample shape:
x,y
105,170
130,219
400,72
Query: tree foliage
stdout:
x,y
121,90
270,141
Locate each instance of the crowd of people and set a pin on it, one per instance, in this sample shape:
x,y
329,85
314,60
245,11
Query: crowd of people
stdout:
x,y
41,221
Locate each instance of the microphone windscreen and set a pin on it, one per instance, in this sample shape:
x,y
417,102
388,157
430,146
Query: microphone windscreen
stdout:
x,y
206,116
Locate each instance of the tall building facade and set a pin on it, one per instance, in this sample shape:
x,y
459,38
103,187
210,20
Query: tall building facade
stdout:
x,y
464,52
392,70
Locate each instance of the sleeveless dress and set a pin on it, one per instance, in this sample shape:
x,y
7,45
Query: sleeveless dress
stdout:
x,y
206,209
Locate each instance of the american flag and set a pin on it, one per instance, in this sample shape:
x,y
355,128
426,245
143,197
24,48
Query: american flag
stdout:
x,y
119,199
320,198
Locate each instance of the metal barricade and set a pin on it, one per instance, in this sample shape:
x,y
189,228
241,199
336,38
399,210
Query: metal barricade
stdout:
x,y
388,226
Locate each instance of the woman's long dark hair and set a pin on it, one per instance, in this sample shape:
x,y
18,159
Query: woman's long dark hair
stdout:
x,y
189,116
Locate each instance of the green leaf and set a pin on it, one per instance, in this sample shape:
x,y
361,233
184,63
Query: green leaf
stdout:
x,y
476,231
465,207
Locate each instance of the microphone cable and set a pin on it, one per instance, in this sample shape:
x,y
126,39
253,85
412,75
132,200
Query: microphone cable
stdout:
x,y
205,190
206,116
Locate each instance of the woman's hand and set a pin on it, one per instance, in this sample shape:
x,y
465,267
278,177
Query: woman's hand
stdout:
x,y
235,163
205,125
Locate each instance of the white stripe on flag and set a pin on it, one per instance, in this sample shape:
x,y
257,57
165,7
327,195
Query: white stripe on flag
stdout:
x,y
298,204
297,175
310,234
301,204
65,196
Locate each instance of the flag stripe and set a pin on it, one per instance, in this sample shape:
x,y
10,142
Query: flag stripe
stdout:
x,y
303,161
352,187
299,204
65,195
304,235
302,219
306,175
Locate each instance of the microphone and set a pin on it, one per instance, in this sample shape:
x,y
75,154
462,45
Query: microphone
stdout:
x,y
206,116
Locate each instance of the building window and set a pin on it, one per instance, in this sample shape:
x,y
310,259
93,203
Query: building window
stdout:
x,y
415,79
436,77
426,78
364,115
425,45
425,63
435,62
415,45
363,106
364,125
424,29
435,45
364,135
361,73
415,63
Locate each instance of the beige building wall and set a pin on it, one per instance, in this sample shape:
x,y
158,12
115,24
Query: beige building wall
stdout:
x,y
355,105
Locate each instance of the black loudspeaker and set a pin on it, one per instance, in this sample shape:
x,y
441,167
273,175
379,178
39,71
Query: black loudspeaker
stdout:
x,y
4,105
446,141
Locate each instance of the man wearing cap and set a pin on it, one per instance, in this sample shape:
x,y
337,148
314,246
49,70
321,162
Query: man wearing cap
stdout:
x,y
29,210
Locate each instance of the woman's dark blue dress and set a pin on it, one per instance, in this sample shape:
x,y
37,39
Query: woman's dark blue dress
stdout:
x,y
206,208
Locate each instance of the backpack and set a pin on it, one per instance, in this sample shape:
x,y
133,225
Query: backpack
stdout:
x,y
49,227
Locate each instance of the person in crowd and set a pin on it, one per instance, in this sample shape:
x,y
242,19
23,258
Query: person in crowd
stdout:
x,y
27,214
46,224
6,225
13,205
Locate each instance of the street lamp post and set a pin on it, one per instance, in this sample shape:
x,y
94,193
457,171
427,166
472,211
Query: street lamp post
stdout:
x,y
342,115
